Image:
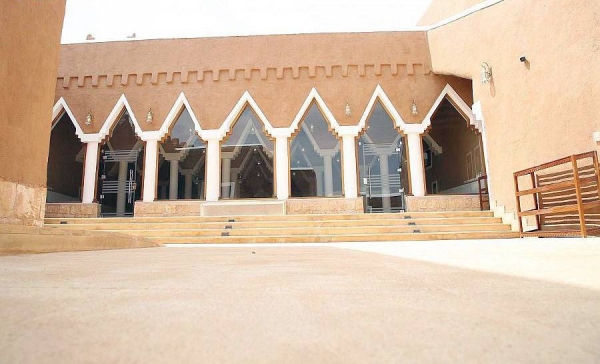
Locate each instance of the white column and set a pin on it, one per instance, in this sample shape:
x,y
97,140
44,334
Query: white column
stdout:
x,y
90,172
386,203
174,179
319,175
225,176
150,169
121,188
188,185
349,167
213,170
328,166
415,160
282,167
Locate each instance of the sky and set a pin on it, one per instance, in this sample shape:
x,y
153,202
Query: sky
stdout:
x,y
110,20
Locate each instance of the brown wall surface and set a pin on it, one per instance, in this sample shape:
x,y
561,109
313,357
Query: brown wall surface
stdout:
x,y
442,9
278,71
535,111
29,47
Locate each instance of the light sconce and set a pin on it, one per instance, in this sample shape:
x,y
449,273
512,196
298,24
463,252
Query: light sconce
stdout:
x,y
149,116
348,109
312,127
415,110
89,118
486,73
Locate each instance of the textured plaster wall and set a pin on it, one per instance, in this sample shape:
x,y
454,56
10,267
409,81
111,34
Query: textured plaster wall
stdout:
x,y
536,111
442,9
278,71
29,47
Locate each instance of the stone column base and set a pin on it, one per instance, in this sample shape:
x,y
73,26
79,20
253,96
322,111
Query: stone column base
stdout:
x,y
442,203
21,204
77,210
327,205
167,208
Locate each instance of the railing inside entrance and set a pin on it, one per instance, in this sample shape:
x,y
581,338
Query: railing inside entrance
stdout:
x,y
123,188
383,192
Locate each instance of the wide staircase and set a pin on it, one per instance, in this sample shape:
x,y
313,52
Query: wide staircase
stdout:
x,y
300,228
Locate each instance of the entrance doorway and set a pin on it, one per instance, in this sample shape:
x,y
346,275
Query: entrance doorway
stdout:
x,y
452,153
247,160
383,165
118,190
119,173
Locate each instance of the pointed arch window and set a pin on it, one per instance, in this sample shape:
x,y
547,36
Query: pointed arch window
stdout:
x,y
181,166
315,168
247,169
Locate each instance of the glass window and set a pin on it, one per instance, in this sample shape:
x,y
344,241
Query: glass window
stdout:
x,y
383,166
182,162
316,168
247,169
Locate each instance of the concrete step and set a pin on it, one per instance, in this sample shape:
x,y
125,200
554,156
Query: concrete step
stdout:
x,y
300,231
299,228
17,239
337,238
287,224
316,217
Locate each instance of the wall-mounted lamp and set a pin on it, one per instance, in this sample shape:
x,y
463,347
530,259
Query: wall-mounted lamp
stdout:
x,y
486,73
89,118
415,110
149,116
348,109
523,59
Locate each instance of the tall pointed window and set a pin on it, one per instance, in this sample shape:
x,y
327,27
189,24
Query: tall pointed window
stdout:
x,y
182,162
316,168
247,169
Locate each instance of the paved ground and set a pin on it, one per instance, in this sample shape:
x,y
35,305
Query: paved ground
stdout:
x,y
418,302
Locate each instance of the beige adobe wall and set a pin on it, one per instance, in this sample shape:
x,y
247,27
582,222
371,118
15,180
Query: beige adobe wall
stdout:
x,y
442,9
278,71
537,111
29,47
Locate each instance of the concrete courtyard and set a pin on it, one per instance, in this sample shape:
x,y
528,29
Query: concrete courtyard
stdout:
x,y
496,301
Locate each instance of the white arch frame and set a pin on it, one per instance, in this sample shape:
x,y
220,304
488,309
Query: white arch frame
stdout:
x,y
380,95
113,117
457,102
171,118
59,109
313,96
235,113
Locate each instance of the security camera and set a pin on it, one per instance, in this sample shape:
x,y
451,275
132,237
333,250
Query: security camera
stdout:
x,y
522,59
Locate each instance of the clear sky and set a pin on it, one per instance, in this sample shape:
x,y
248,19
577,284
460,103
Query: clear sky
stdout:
x,y
117,19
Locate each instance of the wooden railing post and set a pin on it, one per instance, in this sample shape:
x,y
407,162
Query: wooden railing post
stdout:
x,y
535,199
597,168
518,205
579,198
